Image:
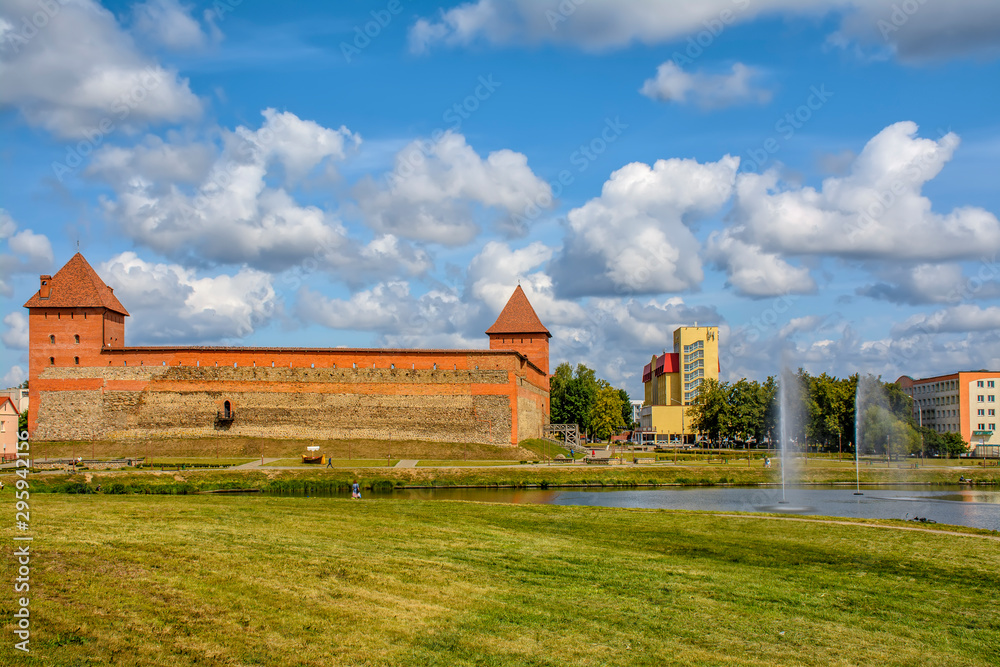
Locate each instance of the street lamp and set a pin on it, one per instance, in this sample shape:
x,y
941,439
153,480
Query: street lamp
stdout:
x,y
920,418
682,426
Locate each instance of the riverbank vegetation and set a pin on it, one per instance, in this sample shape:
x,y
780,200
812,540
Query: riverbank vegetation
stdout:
x,y
209,580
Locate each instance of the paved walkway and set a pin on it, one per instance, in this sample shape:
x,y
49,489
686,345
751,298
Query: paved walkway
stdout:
x,y
406,463
253,464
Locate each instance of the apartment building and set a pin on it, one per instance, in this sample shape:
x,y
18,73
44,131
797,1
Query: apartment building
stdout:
x,y
965,402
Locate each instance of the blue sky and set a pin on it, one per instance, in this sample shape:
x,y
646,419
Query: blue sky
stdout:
x,y
816,177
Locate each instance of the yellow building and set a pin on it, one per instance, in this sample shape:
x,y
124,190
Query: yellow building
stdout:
x,y
671,382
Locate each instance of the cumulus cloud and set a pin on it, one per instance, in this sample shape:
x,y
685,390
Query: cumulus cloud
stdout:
x,y
932,283
437,188
635,237
15,376
709,91
755,273
171,304
16,335
929,30
28,252
234,213
877,211
962,318
168,24
80,73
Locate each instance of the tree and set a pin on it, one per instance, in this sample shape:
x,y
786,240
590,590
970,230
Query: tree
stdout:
x,y
709,411
746,410
768,427
22,423
606,416
626,410
952,444
572,395
558,410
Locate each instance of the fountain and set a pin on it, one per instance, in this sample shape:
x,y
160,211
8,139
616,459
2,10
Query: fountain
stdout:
x,y
789,437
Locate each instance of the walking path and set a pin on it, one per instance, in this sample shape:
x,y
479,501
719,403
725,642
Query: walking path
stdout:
x,y
865,525
406,463
253,464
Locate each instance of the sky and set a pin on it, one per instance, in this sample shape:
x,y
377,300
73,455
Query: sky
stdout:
x,y
817,178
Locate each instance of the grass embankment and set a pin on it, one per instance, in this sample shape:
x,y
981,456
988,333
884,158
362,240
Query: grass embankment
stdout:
x,y
337,463
320,478
294,581
252,448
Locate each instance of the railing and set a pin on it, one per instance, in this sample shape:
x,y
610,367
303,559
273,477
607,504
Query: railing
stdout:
x,y
225,416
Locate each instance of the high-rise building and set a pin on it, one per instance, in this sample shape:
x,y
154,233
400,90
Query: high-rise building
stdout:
x,y
671,382
965,402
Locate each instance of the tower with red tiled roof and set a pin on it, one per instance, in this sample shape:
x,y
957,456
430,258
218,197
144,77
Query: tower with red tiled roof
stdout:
x,y
71,318
518,328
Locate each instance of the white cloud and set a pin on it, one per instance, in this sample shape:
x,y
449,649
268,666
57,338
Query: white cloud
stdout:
x,y
962,318
171,304
926,283
933,30
233,215
79,74
755,273
435,188
875,212
16,335
169,24
635,237
390,310
15,376
30,252
709,91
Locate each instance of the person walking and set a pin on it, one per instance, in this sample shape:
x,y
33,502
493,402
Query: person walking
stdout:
x,y
329,462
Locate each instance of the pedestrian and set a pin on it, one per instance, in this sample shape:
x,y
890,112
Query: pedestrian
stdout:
x,y
329,462
356,491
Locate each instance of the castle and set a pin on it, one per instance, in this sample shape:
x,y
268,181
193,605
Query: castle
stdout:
x,y
85,383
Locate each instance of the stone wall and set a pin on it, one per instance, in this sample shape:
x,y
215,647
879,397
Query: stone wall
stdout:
x,y
323,403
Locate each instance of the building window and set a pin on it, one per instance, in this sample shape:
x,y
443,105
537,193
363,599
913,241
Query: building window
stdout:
x,y
991,399
3,426
982,427
76,360
990,384
52,361
76,339
980,398
52,339
979,384
993,412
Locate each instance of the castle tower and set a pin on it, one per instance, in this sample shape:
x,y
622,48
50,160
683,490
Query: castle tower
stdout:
x,y
518,328
71,318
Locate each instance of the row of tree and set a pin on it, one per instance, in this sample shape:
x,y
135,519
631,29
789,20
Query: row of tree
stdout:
x,y
820,413
582,398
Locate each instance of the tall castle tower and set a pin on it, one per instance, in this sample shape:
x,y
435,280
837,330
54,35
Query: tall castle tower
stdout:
x,y
518,328
71,318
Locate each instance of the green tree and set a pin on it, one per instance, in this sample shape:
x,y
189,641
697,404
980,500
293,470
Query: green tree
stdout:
x,y
606,416
952,444
768,427
746,410
22,422
572,395
709,411
558,383
626,410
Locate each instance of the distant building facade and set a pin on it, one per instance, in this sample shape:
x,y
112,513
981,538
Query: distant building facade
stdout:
x,y
9,415
671,382
85,383
19,395
965,402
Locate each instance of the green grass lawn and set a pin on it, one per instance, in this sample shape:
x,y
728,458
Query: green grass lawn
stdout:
x,y
207,580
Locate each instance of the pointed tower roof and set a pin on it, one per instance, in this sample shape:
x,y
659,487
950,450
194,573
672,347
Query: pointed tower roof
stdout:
x,y
518,317
77,285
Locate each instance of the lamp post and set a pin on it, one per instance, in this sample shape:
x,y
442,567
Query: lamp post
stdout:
x,y
674,400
